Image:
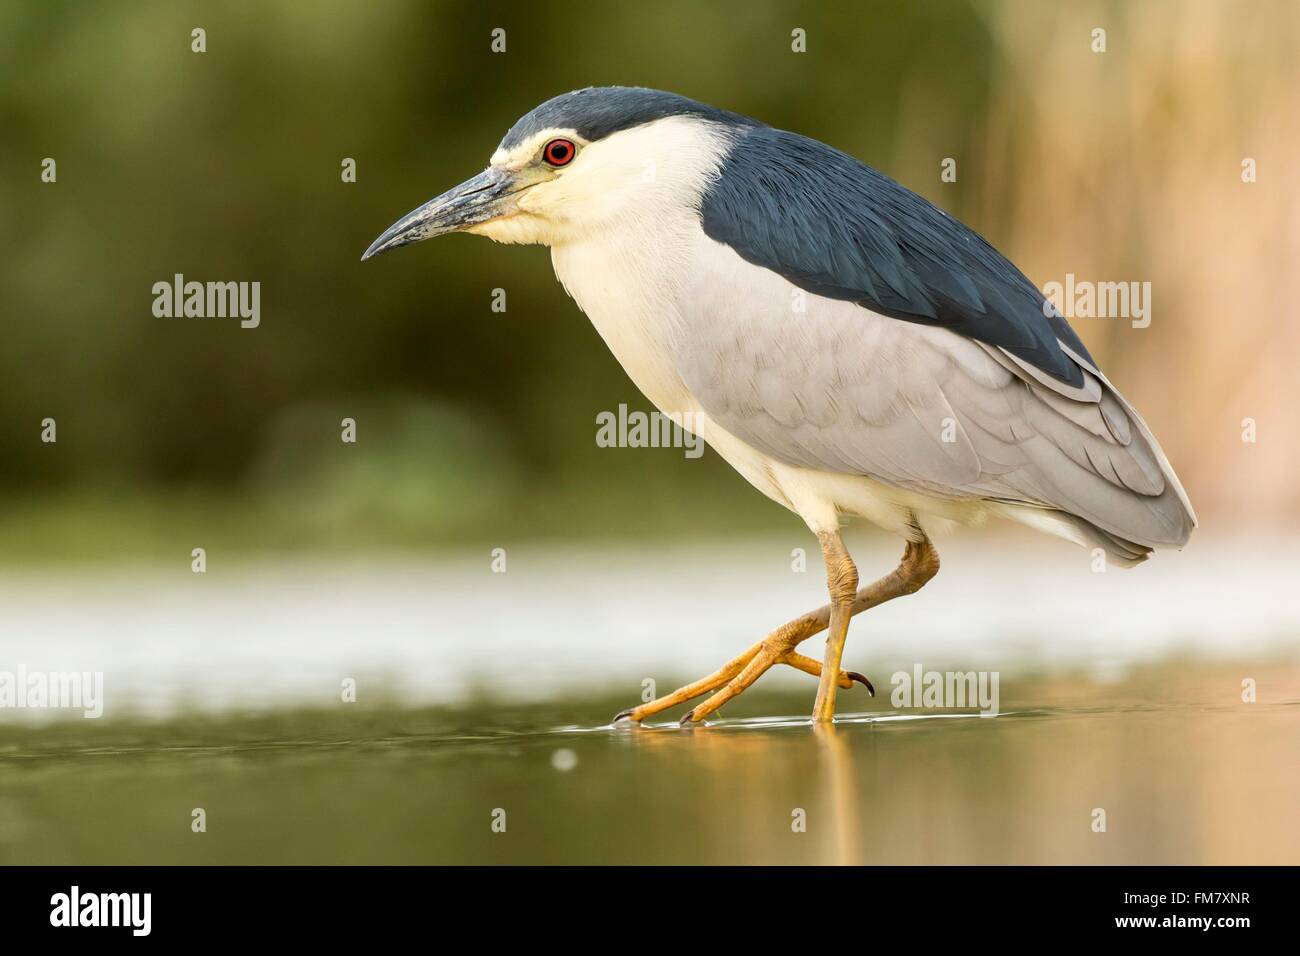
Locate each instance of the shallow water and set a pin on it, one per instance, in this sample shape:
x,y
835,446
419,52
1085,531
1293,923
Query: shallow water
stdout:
x,y
1184,770
570,623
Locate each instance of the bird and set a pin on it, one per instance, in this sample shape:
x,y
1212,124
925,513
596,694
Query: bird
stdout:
x,y
847,346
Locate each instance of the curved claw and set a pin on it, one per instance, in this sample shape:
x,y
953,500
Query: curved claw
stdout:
x,y
861,679
623,715
687,718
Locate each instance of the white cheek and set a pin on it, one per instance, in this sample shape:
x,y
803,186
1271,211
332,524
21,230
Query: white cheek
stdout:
x,y
637,176
519,229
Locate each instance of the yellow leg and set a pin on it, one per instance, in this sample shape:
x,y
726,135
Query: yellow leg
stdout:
x,y
733,667
919,564
690,691
768,654
842,583
810,666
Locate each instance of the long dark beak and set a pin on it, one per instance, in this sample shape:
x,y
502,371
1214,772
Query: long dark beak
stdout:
x,y
473,201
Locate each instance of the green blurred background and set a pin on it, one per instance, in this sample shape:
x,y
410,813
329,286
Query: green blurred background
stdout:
x,y
474,424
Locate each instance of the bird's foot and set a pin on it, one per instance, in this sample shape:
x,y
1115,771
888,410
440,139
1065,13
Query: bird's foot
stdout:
x,y
733,678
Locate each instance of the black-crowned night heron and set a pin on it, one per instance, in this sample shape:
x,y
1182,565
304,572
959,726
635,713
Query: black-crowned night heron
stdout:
x,y
848,347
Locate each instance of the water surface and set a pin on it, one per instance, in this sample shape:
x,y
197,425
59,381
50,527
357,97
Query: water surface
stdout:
x,y
1183,769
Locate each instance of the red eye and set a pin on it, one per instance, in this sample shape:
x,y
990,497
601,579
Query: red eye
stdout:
x,y
559,152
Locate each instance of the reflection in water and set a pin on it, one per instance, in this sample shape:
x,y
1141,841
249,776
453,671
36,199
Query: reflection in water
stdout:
x,y
1186,772
750,757
841,793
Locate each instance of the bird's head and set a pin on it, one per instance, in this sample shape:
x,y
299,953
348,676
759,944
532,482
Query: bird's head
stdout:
x,y
576,164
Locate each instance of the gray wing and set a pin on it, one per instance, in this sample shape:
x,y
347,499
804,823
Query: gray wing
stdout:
x,y
835,227
827,384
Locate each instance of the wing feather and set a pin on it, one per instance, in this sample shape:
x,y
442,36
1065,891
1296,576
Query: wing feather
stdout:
x,y
837,228
841,388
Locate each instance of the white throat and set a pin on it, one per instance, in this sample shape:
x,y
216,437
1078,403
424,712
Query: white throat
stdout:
x,y
629,238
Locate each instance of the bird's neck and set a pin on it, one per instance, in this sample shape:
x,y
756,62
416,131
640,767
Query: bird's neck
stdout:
x,y
627,281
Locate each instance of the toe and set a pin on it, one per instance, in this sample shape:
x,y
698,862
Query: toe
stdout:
x,y
861,679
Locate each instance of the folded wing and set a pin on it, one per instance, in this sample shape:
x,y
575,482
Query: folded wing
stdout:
x,y
827,384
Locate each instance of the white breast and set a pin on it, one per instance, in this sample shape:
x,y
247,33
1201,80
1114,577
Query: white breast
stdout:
x,y
644,285
636,269
621,286
627,256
